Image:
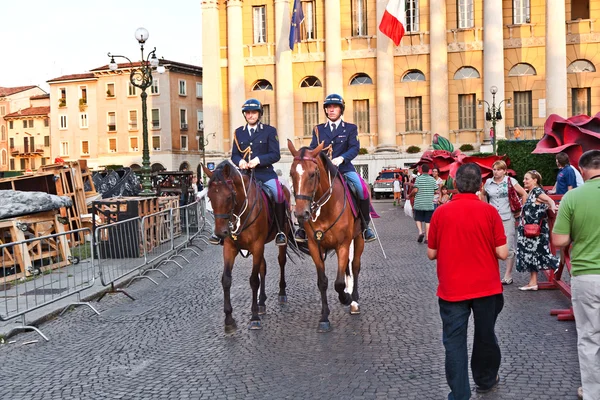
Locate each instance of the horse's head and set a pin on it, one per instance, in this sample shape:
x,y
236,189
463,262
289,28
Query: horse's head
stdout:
x,y
222,195
305,173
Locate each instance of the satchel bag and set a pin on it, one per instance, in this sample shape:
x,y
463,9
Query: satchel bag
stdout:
x,y
513,198
532,230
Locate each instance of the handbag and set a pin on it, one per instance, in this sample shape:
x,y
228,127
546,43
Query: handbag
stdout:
x,y
513,198
532,230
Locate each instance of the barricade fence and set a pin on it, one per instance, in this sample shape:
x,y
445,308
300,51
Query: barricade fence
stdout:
x,y
42,270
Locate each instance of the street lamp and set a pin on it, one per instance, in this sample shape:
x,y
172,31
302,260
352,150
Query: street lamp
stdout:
x,y
203,142
141,77
493,112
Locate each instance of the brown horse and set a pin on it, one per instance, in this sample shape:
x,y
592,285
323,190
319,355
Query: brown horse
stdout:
x,y
323,208
242,220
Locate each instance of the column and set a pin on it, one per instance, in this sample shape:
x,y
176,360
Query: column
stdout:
x,y
493,60
438,69
235,64
211,74
333,48
386,94
284,86
556,59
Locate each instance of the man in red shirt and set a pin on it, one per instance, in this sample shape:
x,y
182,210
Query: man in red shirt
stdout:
x,y
467,238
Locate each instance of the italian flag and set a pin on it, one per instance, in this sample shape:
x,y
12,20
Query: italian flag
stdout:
x,y
393,21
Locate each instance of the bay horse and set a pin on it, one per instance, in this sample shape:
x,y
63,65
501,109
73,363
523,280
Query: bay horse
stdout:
x,y
242,220
324,210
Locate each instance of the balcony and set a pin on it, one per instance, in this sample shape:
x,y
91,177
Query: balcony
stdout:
x,y
27,151
184,127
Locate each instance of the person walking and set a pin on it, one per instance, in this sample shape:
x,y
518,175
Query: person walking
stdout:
x,y
534,252
256,146
577,223
467,238
341,138
423,192
495,192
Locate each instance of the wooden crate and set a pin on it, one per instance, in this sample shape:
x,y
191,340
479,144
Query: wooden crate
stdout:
x,y
171,202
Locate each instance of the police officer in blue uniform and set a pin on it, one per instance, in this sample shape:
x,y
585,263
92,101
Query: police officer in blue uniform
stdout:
x,y
256,146
343,139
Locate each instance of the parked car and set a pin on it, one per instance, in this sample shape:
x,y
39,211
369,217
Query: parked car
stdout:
x,y
384,183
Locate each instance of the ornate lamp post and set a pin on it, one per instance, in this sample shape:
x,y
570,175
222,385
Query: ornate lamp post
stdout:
x,y
141,77
493,112
203,142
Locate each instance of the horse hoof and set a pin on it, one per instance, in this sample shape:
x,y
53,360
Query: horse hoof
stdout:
x,y
255,325
354,308
324,327
283,299
230,328
262,310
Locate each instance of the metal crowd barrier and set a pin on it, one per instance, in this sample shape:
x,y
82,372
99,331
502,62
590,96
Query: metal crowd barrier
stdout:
x,y
46,269
206,216
141,245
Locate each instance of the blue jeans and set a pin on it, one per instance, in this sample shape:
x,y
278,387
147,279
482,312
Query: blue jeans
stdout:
x,y
353,179
275,189
485,360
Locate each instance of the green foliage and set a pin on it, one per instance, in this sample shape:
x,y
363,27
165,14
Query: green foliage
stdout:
x,y
466,147
413,149
521,160
362,150
441,143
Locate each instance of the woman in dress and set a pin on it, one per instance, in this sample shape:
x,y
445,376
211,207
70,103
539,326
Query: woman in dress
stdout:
x,y
495,192
534,253
435,172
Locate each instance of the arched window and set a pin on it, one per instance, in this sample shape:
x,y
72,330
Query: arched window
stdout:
x,y
522,69
311,81
184,166
262,84
414,75
466,73
580,66
157,167
135,167
3,157
361,79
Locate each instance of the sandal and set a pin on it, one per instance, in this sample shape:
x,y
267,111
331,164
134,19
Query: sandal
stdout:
x,y
508,281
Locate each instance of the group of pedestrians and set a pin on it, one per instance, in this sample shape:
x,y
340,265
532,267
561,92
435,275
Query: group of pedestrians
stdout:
x,y
468,236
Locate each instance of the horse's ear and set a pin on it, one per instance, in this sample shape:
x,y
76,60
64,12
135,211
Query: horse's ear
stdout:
x,y
292,148
207,171
314,153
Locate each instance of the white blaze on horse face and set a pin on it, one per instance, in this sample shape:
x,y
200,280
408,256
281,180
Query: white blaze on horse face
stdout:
x,y
300,172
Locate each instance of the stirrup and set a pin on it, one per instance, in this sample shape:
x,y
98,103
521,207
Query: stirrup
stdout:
x,y
369,235
300,236
280,239
213,239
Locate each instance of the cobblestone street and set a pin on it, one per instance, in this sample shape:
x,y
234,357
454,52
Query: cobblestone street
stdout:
x,y
170,342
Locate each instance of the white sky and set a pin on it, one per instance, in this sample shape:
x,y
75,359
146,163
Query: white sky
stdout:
x,y
44,39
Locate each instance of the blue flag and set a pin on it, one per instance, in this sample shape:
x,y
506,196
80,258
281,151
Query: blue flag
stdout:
x,y
297,18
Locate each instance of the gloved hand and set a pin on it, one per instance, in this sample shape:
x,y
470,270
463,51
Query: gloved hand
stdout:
x,y
337,161
243,164
254,162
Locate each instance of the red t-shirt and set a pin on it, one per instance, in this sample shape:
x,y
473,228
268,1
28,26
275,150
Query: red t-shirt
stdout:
x,y
466,232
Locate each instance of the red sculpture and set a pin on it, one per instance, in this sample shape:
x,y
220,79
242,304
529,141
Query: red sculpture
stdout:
x,y
574,136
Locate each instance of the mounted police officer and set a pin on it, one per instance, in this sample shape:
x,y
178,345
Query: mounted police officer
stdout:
x,y
343,139
256,146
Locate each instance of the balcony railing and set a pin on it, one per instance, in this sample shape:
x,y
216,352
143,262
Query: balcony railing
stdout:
x,y
184,127
27,150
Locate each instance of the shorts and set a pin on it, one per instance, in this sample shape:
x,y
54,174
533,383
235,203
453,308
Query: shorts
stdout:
x,y
423,216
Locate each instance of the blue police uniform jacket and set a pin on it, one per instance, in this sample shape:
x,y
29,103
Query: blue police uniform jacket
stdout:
x,y
264,144
344,142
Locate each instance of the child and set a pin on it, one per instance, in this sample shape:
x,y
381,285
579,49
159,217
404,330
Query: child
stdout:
x,y
397,189
444,196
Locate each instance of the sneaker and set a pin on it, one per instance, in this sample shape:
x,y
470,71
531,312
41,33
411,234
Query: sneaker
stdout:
x,y
479,389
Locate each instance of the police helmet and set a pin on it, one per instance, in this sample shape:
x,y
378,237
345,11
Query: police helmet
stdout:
x,y
334,99
252,105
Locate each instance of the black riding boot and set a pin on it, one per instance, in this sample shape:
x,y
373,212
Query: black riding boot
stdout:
x,y
280,239
365,211
214,239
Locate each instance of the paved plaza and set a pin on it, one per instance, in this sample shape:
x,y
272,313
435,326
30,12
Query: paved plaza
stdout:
x,y
170,342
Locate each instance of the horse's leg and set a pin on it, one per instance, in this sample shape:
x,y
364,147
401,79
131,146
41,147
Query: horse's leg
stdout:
x,y
340,279
359,246
282,258
324,325
262,307
257,260
229,253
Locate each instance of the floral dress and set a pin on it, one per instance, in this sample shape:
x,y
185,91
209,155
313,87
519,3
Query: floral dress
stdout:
x,y
533,254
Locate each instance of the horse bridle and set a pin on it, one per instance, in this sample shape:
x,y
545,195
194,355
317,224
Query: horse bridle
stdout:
x,y
315,206
236,227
